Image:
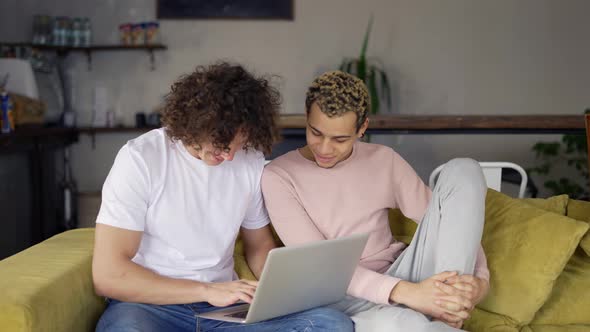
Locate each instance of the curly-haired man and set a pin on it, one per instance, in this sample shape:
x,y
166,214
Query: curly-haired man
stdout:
x,y
337,186
174,201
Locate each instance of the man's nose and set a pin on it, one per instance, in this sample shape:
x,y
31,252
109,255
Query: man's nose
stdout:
x,y
229,156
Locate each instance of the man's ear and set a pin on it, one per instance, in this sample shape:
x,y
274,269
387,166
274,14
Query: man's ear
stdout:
x,y
363,128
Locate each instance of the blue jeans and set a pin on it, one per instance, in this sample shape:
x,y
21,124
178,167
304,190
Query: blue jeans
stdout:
x,y
125,316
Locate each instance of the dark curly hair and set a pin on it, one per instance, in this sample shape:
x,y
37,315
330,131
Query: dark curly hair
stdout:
x,y
215,102
337,92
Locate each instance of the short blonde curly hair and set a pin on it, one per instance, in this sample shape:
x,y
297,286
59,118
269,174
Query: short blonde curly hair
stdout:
x,y
336,93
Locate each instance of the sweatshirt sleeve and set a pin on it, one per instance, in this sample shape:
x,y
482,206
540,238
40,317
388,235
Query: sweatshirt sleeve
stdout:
x,y
410,193
294,226
481,265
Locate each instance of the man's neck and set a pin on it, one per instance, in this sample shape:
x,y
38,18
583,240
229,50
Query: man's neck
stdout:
x,y
307,154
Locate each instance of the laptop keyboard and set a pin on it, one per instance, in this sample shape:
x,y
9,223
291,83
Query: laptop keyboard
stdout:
x,y
239,314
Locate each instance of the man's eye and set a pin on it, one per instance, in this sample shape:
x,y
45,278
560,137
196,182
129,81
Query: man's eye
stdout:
x,y
315,133
341,140
226,150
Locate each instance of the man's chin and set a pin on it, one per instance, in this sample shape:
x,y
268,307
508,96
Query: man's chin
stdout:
x,y
324,165
213,162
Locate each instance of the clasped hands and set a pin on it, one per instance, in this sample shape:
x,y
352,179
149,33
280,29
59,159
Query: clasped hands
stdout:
x,y
447,296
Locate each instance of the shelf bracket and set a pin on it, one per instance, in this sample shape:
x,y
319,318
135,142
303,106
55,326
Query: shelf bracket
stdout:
x,y
89,58
152,59
93,140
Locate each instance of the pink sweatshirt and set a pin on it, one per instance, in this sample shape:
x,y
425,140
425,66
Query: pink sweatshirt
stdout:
x,y
308,203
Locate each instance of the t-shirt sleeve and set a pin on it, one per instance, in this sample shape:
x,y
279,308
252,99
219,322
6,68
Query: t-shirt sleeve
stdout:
x,y
256,215
125,193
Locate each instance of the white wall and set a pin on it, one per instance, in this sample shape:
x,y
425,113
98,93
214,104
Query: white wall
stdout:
x,y
444,57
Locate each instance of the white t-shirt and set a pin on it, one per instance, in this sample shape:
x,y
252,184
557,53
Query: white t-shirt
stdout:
x,y
190,213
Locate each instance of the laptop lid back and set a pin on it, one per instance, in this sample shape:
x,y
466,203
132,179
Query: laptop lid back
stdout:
x,y
302,277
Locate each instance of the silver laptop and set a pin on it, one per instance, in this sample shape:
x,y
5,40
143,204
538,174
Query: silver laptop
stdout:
x,y
298,278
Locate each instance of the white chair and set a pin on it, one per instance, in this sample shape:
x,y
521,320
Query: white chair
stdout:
x,y
492,171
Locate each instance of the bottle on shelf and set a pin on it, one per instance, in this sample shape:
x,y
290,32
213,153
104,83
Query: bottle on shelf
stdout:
x,y
6,113
69,191
86,32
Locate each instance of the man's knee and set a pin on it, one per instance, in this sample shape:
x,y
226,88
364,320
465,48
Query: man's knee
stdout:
x,y
391,318
327,319
465,174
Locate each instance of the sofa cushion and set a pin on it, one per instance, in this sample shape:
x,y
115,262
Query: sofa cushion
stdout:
x,y
48,287
569,302
240,265
403,228
555,204
580,210
556,328
482,320
527,249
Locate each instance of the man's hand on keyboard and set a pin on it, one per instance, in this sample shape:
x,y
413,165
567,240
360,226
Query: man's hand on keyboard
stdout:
x,y
222,294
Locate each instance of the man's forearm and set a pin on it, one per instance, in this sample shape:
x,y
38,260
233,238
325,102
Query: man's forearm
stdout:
x,y
256,261
129,282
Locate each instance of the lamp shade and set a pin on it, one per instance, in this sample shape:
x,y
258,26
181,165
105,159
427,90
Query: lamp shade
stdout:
x,y
22,79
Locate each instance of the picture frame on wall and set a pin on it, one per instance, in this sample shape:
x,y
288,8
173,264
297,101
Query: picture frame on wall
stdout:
x,y
225,9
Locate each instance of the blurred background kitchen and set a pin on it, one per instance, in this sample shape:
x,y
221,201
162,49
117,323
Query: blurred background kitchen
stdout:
x,y
83,77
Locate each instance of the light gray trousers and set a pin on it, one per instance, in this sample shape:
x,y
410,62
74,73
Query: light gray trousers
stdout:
x,y
447,239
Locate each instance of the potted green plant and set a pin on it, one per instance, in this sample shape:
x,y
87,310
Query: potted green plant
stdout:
x,y
571,151
371,72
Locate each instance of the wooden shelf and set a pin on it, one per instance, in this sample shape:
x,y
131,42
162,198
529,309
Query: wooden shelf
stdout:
x,y
382,124
433,124
34,138
98,47
65,50
105,130
461,124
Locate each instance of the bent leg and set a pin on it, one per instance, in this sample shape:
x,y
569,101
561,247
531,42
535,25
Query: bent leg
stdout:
x,y
386,318
449,235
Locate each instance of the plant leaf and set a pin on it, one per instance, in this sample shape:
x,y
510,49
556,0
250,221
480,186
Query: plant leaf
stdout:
x,y
367,36
544,149
372,86
361,69
385,89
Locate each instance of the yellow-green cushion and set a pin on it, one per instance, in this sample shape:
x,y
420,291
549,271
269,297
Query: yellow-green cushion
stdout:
x,y
482,320
48,287
556,328
526,248
240,264
555,204
402,228
569,302
580,210
527,243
